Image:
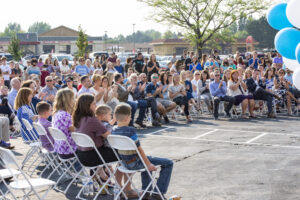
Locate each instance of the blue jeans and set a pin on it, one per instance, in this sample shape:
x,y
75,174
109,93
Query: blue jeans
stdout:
x,y
133,106
142,105
164,176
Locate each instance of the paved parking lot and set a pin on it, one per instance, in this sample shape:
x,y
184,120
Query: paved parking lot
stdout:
x,y
225,159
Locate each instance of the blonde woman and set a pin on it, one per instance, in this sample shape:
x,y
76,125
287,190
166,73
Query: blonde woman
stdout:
x,y
62,119
97,90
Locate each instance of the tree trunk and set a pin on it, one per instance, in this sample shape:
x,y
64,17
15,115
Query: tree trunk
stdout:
x,y
199,48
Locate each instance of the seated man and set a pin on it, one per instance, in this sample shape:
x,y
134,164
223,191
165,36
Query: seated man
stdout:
x,y
4,133
49,90
218,91
123,96
138,94
164,106
5,109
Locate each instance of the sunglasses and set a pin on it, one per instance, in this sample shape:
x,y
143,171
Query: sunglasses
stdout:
x,y
197,74
49,81
217,75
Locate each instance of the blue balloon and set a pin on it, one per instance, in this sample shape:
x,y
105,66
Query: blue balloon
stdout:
x,y
277,18
298,53
286,42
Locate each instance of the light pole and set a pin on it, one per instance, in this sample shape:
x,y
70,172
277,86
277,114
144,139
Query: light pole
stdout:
x,y
105,35
133,38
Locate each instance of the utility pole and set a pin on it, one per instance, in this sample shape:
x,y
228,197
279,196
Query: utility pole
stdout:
x,y
105,37
133,38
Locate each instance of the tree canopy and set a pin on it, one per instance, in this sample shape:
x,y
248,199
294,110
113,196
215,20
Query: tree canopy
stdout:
x,y
201,20
11,29
39,27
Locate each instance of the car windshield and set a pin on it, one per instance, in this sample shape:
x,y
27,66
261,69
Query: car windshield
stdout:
x,y
60,58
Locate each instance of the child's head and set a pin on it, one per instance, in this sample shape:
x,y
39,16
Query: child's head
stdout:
x,y
4,90
103,113
43,109
122,113
23,97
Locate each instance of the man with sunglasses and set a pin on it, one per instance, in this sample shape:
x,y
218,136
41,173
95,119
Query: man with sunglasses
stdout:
x,y
49,90
218,91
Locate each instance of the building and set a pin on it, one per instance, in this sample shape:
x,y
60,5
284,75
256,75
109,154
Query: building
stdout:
x,y
170,46
58,40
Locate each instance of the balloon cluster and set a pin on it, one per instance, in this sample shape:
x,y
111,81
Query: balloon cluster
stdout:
x,y
285,17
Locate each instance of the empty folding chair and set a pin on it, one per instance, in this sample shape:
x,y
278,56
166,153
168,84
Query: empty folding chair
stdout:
x,y
66,163
27,185
83,140
124,143
5,174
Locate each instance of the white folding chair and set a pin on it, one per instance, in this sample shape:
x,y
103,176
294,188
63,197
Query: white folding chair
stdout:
x,y
53,157
43,155
124,143
85,141
67,164
26,185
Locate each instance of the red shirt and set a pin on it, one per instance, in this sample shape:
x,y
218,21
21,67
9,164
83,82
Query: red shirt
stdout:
x,y
44,74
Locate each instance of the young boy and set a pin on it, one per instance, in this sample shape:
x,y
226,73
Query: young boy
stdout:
x,y
103,113
130,159
44,111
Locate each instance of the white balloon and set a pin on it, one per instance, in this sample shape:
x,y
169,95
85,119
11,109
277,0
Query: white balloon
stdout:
x,y
296,78
292,12
291,64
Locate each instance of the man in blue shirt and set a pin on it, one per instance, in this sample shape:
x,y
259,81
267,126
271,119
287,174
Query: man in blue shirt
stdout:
x,y
253,62
218,91
82,69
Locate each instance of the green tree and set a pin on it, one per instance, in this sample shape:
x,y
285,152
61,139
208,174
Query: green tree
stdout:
x,y
81,43
202,19
262,32
168,35
11,29
39,27
14,48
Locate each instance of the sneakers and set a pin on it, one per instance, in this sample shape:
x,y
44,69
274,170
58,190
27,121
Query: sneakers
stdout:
x,y
271,115
166,119
6,145
141,124
228,115
157,197
156,123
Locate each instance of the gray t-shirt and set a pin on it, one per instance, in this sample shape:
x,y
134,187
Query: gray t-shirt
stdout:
x,y
174,89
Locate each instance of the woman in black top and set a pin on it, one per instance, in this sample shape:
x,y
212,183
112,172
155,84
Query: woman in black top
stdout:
x,y
152,67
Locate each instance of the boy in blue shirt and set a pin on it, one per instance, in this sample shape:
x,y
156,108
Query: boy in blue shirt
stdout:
x,y
131,160
82,69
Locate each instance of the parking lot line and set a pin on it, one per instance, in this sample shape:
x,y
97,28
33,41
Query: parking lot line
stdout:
x,y
256,138
228,142
161,130
204,134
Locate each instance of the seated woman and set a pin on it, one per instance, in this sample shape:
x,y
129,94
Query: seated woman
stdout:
x,y
185,80
97,90
238,89
87,123
5,108
282,90
178,94
110,94
35,100
203,90
24,111
62,120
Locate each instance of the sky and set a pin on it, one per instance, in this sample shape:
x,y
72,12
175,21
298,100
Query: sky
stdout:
x,y
95,16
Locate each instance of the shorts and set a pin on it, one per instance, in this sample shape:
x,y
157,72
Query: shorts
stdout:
x,y
165,102
240,98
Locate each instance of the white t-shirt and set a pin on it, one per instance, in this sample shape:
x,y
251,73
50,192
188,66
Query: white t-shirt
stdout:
x,y
64,69
236,92
6,68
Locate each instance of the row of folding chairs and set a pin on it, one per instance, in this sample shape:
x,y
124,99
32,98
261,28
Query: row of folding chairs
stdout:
x,y
65,167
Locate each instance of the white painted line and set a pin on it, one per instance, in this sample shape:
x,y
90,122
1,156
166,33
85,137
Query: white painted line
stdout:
x,y
207,133
161,130
228,142
256,138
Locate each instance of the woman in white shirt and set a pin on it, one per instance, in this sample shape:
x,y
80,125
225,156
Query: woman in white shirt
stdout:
x,y
64,68
97,90
238,89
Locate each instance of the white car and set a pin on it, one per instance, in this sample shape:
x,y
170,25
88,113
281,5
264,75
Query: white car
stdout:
x,y
59,57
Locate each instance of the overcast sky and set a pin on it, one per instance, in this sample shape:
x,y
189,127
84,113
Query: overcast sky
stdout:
x,y
95,16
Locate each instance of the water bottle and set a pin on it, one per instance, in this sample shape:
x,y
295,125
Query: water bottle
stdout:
x,y
91,188
86,189
116,192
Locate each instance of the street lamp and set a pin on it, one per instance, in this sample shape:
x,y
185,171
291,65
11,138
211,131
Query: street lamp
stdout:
x,y
133,38
105,40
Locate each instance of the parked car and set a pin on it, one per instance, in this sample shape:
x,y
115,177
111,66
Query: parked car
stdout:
x,y
59,57
8,56
98,53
